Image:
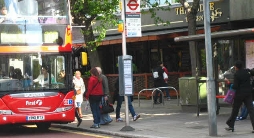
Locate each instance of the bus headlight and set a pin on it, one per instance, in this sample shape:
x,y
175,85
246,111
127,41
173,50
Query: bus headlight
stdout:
x,y
6,112
62,109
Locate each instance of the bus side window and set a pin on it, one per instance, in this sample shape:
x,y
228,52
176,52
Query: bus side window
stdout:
x,y
17,74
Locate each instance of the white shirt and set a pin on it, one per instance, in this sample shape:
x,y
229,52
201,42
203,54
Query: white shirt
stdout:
x,y
79,85
43,82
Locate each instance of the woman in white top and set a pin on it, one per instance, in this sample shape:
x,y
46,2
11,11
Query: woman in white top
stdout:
x,y
79,85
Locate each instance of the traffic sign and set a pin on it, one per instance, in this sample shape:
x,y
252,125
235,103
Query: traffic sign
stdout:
x,y
132,6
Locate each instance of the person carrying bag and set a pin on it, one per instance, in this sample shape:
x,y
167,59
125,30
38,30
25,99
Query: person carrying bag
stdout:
x,y
105,107
243,94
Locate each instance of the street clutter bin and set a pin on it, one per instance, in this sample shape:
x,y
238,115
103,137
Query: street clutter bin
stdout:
x,y
192,93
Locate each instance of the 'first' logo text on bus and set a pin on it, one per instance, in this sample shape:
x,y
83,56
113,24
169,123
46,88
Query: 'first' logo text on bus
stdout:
x,y
36,102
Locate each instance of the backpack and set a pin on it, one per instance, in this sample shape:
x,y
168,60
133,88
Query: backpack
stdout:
x,y
157,74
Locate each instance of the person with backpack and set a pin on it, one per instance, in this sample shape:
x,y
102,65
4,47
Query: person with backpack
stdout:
x,y
158,81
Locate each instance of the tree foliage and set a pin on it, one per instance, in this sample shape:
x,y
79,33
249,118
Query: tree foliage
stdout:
x,y
88,12
148,7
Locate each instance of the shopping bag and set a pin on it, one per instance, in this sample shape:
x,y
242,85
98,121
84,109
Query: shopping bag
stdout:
x,y
229,98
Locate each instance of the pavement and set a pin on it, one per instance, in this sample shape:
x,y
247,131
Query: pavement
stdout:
x,y
165,121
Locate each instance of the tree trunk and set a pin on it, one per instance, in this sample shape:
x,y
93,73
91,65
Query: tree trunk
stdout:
x,y
93,55
195,58
192,44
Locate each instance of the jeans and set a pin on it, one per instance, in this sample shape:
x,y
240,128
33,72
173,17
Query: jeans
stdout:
x,y
119,103
166,90
244,112
95,108
105,118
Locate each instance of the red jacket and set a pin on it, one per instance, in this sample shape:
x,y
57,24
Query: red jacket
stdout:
x,y
94,87
165,70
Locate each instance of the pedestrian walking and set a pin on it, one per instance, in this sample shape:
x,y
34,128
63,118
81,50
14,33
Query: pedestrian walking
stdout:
x,y
243,94
104,118
166,81
79,89
94,94
158,81
120,100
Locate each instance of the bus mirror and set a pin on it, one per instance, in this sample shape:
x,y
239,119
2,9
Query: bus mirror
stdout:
x,y
83,58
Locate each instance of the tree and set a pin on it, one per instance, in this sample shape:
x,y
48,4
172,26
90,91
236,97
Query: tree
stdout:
x,y
88,12
191,13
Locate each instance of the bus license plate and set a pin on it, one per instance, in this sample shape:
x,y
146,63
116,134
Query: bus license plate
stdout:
x,y
37,117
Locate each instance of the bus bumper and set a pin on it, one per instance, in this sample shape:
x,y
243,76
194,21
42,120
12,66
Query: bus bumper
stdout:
x,y
31,118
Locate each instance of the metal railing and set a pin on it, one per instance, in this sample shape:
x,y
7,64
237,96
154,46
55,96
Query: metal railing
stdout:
x,y
170,87
153,90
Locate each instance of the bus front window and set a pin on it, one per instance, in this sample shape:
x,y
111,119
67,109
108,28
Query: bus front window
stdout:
x,y
29,72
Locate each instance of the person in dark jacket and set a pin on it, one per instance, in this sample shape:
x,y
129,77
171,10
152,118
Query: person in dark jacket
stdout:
x,y
119,100
105,118
158,81
243,94
94,94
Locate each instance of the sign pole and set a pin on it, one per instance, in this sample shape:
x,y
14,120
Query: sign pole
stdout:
x,y
210,79
126,127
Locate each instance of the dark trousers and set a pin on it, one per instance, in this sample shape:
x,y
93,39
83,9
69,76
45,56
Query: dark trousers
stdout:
x,y
245,98
157,92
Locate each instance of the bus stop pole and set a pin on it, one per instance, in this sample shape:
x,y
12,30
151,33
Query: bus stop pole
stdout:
x,y
210,78
126,127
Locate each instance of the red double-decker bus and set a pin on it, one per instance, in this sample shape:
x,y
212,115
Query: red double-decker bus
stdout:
x,y
35,63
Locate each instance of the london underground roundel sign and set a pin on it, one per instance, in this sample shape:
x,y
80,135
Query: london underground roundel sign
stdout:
x,y
133,6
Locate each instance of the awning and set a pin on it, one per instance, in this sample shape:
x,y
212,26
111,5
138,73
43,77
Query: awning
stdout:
x,y
152,35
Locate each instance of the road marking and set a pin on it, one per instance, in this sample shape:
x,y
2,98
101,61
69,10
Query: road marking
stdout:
x,y
77,132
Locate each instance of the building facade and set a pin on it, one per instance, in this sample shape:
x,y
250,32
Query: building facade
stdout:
x,y
157,42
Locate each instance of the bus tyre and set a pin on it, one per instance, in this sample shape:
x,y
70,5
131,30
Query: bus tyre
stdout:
x,y
43,126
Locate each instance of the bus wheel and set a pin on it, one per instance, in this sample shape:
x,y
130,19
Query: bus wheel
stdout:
x,y
43,126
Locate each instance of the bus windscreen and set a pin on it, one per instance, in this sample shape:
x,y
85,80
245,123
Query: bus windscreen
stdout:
x,y
32,72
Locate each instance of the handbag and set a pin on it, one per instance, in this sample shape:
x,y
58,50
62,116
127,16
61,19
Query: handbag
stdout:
x,y
106,107
78,91
229,98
